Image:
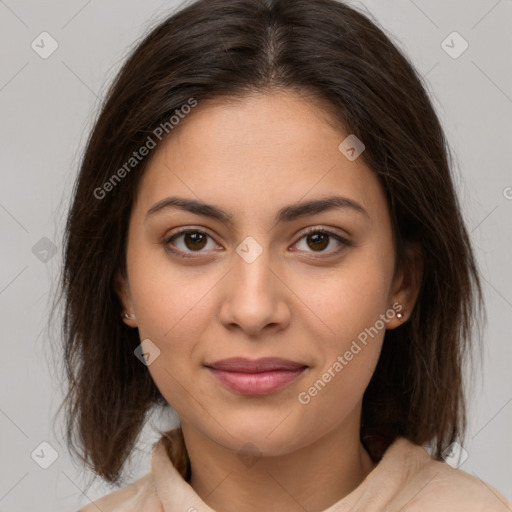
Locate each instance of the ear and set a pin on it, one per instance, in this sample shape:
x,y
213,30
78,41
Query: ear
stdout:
x,y
406,284
122,289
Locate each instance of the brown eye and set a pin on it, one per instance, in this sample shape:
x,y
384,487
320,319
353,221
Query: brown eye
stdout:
x,y
194,240
317,241
187,242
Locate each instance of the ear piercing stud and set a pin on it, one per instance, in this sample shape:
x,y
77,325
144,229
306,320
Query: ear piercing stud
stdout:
x,y
399,316
126,315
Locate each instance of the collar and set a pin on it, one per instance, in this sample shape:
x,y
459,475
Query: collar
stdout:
x,y
400,460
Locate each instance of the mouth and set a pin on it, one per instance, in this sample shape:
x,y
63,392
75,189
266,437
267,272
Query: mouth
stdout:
x,y
255,377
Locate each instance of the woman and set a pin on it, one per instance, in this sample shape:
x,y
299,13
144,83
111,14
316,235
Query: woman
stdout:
x,y
264,235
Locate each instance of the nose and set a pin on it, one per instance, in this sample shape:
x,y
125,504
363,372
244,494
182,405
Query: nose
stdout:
x,y
254,297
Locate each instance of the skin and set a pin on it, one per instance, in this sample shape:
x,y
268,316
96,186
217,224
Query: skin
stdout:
x,y
252,158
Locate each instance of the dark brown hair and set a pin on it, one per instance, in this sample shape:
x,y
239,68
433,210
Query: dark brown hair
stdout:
x,y
229,48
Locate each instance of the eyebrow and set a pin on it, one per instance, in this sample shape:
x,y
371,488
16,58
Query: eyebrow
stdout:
x,y
286,214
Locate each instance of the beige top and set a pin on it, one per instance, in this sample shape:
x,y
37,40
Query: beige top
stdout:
x,y
406,479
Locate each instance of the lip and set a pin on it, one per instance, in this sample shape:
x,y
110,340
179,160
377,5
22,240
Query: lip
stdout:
x,y
255,377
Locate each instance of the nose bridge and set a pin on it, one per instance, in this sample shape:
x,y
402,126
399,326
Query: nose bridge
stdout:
x,y
253,298
252,264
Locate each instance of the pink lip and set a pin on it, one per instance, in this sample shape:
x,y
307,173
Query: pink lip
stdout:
x,y
258,377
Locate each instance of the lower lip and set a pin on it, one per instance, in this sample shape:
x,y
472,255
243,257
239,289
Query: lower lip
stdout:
x,y
256,383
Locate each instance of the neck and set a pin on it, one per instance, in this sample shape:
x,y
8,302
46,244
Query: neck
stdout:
x,y
335,464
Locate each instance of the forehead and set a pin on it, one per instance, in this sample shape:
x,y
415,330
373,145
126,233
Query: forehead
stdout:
x,y
258,153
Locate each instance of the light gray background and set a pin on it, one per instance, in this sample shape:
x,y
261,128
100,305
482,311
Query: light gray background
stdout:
x,y
46,110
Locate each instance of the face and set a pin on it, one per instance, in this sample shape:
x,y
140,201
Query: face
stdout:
x,y
252,282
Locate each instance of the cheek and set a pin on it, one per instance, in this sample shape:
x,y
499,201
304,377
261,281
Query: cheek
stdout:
x,y
335,391
171,312
172,309
170,303
347,356
351,304
347,301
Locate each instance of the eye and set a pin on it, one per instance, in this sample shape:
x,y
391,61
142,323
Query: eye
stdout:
x,y
319,239
193,240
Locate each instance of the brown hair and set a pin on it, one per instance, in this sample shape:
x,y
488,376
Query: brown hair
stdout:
x,y
228,48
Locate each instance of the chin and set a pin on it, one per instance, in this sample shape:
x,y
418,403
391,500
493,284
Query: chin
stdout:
x,y
261,437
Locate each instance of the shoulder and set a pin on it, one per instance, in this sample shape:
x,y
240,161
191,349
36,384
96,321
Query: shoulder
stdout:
x,y
448,489
139,495
435,485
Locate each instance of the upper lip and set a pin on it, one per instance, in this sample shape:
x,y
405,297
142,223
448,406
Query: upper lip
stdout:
x,y
264,364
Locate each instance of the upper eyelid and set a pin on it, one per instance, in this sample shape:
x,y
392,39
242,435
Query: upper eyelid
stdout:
x,y
183,231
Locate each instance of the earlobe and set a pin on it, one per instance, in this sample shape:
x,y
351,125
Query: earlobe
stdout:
x,y
122,289
129,320
395,315
406,285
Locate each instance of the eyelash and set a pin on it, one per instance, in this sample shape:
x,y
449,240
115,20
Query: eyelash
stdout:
x,y
189,255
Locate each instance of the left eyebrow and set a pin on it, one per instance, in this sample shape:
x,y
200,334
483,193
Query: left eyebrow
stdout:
x,y
286,214
299,210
